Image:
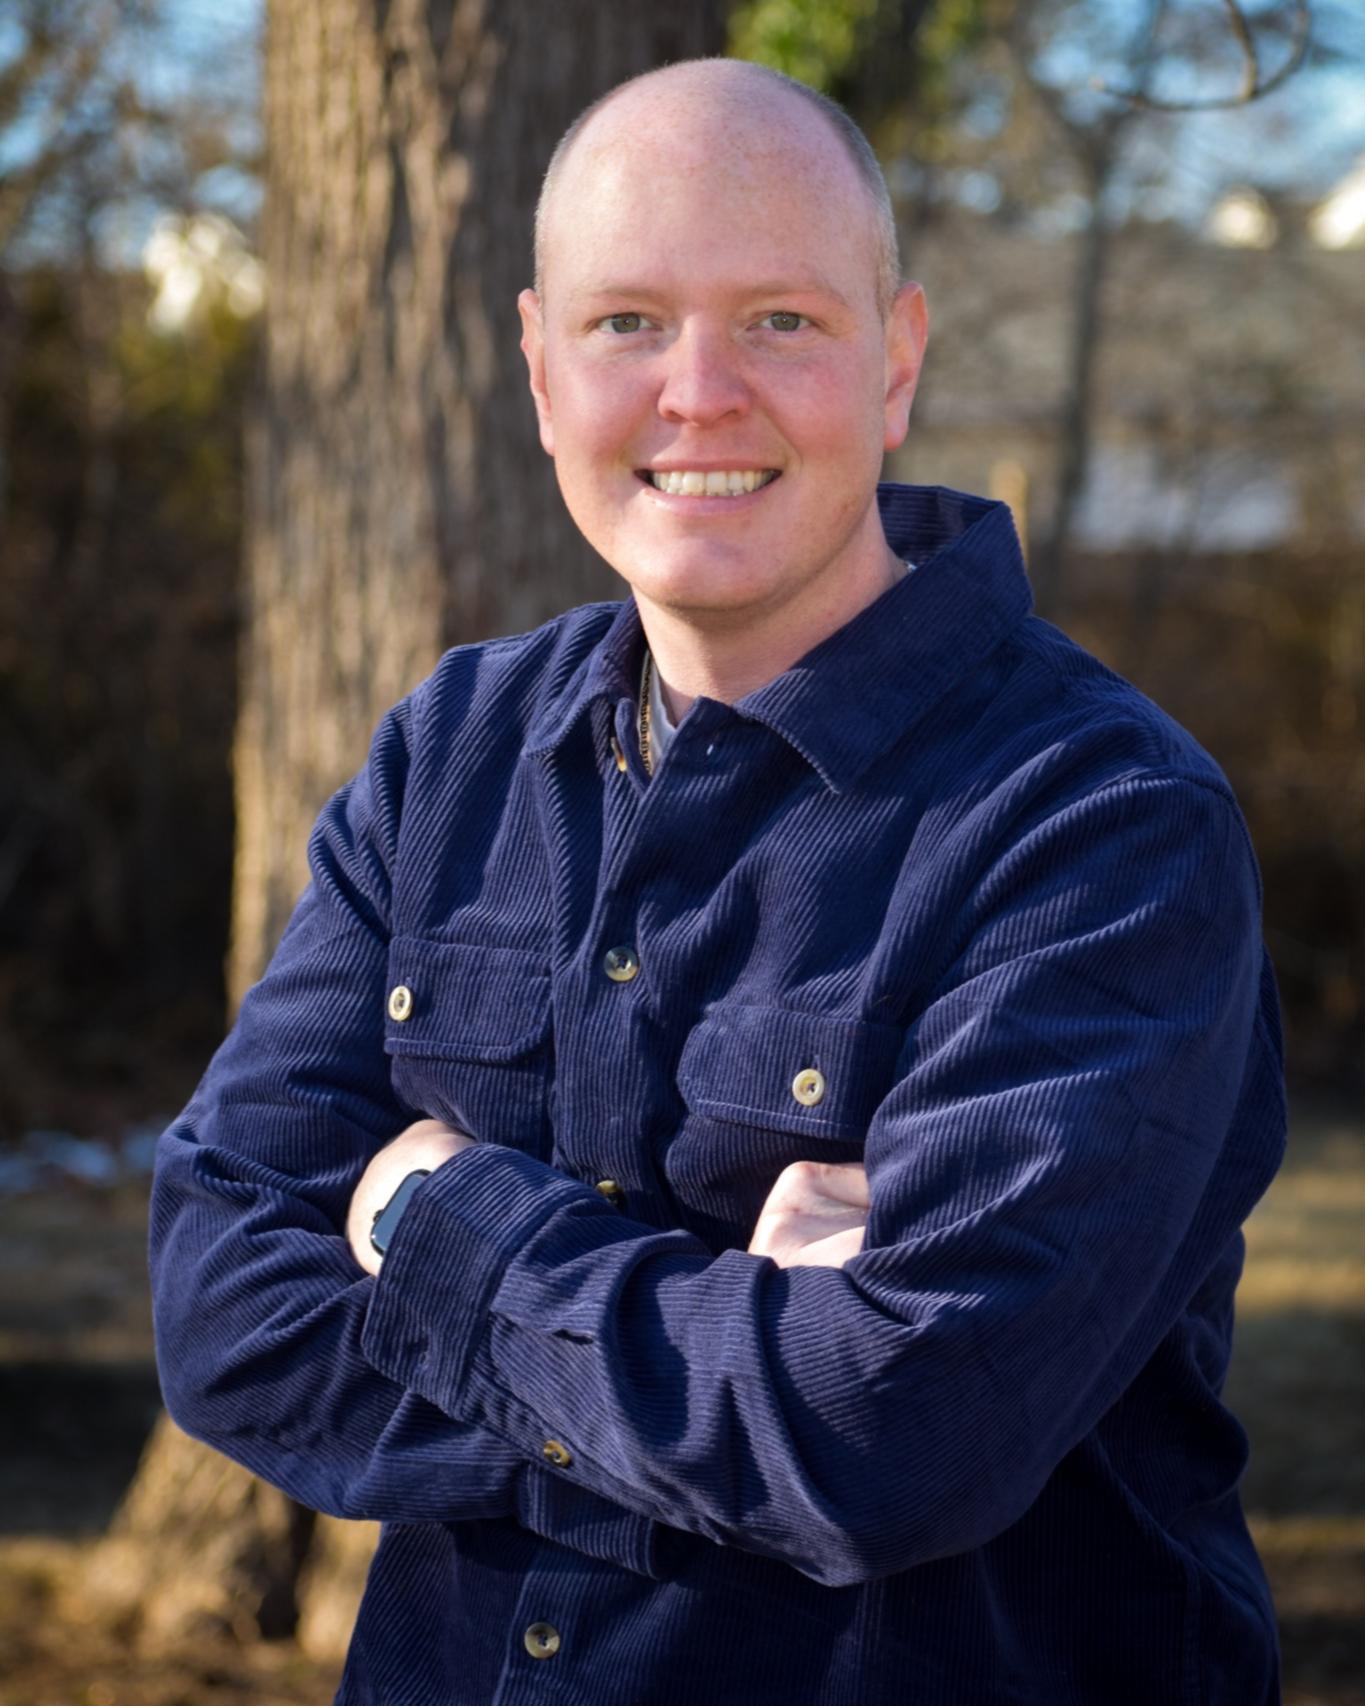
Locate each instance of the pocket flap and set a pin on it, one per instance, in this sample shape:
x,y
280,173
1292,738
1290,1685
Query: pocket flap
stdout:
x,y
465,1003
743,1064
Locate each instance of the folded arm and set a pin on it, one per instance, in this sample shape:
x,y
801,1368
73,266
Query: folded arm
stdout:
x,y
259,1306
1048,1186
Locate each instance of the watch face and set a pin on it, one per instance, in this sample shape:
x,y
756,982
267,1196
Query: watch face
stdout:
x,y
381,1235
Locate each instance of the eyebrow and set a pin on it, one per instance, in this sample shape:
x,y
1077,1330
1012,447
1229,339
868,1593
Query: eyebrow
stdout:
x,y
808,284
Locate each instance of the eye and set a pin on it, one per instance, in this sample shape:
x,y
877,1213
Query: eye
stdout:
x,y
784,320
623,324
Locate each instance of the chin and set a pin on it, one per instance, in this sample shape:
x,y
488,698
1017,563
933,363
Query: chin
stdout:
x,y
712,568
703,590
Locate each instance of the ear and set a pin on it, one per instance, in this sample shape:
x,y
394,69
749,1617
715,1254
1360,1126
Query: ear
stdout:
x,y
533,348
907,333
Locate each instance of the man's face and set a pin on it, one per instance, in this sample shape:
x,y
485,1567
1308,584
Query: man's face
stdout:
x,y
710,322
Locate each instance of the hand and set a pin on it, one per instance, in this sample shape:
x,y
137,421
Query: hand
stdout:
x,y
814,1216
426,1144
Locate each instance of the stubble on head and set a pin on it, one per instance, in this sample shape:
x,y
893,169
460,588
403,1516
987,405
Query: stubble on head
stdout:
x,y
737,99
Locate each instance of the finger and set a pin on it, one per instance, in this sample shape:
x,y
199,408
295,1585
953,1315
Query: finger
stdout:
x,y
831,1252
845,1182
792,1226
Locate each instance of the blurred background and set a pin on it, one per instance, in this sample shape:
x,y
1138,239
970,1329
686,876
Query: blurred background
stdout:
x,y
266,449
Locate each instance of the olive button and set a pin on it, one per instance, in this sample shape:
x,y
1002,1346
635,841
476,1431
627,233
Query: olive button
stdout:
x,y
621,964
612,1192
557,1453
542,1640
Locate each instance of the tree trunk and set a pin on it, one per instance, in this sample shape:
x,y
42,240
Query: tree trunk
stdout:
x,y
1097,149
399,502
1048,566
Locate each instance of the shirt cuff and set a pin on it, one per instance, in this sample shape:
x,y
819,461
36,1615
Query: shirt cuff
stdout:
x,y
429,1307
428,1312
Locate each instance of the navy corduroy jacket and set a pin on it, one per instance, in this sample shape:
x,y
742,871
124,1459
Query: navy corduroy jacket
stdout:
x,y
1007,912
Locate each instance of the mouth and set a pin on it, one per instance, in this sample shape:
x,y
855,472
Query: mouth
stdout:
x,y
707,482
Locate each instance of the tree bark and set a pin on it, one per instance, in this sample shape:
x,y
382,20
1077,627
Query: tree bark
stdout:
x,y
1049,565
399,502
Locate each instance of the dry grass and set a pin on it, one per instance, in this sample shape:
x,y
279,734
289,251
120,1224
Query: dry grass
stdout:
x,y
1306,1241
1298,1383
51,1656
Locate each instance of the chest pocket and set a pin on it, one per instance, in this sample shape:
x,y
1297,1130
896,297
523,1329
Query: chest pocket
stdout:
x,y
764,1087
468,1033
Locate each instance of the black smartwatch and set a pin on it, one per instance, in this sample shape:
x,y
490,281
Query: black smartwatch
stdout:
x,y
386,1220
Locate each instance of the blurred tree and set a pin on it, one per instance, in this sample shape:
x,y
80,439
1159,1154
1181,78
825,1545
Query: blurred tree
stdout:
x,y
890,62
91,140
399,502
118,611
1142,64
1093,135
819,42
120,497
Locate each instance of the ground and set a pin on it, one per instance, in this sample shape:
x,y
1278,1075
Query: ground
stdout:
x,y
78,1393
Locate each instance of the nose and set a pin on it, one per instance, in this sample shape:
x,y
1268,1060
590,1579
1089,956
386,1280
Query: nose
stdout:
x,y
703,381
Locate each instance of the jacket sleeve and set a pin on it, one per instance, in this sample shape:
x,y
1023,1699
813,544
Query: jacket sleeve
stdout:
x,y
258,1303
1050,1182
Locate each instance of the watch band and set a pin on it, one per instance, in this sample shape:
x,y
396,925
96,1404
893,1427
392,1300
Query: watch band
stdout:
x,y
387,1218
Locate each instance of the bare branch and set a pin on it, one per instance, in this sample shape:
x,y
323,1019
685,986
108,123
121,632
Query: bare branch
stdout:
x,y
59,125
1254,86
1251,65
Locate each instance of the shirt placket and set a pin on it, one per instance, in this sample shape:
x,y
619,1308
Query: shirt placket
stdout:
x,y
622,1001
541,1662
567,1617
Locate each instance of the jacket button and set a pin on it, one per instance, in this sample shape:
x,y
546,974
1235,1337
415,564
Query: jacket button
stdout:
x,y
808,1087
557,1453
612,1192
400,1003
621,964
542,1640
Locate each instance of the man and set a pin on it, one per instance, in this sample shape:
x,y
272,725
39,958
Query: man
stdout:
x,y
739,1156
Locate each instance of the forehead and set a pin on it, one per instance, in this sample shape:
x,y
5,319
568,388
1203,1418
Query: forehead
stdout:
x,y
701,188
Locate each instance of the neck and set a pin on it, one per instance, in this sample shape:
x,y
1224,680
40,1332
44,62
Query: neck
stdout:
x,y
727,660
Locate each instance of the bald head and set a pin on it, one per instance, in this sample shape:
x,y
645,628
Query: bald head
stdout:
x,y
700,100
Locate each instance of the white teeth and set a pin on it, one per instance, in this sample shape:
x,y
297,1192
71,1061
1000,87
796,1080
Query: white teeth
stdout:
x,y
696,483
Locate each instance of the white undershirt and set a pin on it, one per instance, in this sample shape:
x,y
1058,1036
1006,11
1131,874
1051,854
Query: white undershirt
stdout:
x,y
661,730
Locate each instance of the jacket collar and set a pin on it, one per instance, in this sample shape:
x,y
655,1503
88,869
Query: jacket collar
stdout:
x,y
844,703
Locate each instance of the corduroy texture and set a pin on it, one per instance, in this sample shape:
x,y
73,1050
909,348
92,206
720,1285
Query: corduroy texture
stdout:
x,y
1008,910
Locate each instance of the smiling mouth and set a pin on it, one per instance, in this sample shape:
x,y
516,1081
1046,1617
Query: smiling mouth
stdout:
x,y
708,483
